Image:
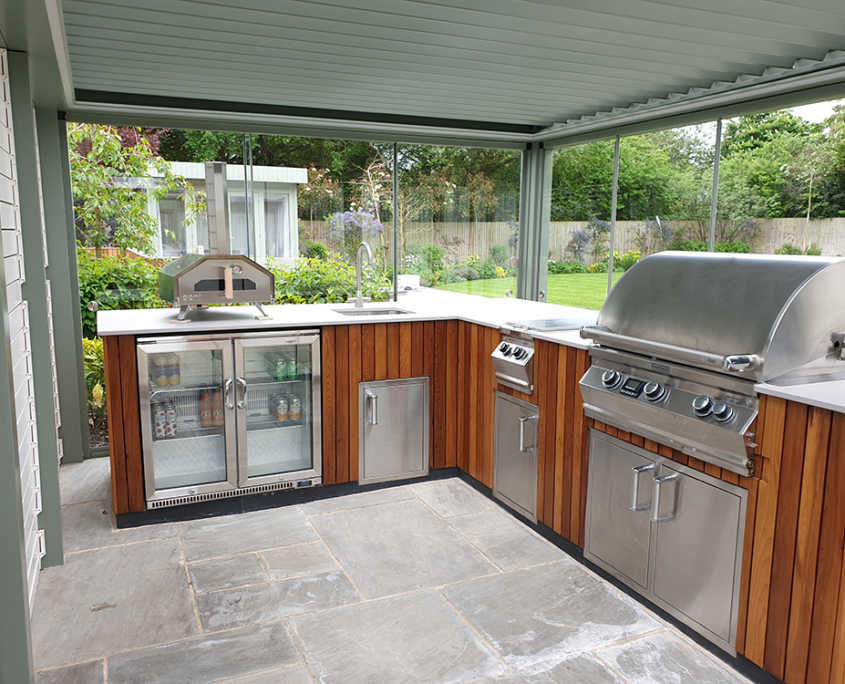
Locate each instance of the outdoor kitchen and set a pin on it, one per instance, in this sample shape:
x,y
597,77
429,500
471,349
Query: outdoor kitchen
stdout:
x,y
422,342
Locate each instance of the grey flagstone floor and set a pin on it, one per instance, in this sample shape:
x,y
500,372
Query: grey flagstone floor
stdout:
x,y
429,582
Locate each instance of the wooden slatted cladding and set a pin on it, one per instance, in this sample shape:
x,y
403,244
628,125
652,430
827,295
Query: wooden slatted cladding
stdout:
x,y
124,424
386,351
792,595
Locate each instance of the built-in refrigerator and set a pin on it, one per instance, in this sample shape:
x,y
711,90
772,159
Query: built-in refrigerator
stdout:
x,y
225,415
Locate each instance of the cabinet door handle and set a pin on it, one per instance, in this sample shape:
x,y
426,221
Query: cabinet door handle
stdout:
x,y
242,384
227,387
522,421
655,513
635,490
372,400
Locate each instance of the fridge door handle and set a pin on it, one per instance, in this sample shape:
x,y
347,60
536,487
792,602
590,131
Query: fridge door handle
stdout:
x,y
655,513
522,421
635,489
242,384
372,400
227,388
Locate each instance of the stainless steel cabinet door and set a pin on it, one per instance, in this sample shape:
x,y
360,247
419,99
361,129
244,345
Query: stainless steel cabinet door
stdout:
x,y
515,459
696,559
617,536
394,429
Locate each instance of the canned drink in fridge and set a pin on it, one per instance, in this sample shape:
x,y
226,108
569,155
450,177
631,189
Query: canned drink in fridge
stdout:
x,y
170,418
282,409
293,367
294,408
281,369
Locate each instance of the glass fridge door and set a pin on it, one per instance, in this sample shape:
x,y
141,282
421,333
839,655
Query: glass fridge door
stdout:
x,y
278,401
188,417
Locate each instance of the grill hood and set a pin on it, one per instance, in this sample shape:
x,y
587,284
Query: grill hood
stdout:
x,y
761,317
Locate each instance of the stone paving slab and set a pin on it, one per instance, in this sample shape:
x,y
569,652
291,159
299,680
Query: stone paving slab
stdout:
x,y
547,612
663,659
505,541
226,573
82,673
89,526
274,600
208,659
359,500
297,561
86,481
578,669
412,638
233,534
290,675
450,498
398,547
109,600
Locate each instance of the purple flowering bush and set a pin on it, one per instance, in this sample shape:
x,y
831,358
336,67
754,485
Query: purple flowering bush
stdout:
x,y
348,229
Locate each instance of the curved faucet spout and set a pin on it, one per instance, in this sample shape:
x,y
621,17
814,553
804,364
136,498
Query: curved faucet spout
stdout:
x,y
359,297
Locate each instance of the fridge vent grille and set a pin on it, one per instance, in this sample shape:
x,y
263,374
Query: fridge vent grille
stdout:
x,y
212,496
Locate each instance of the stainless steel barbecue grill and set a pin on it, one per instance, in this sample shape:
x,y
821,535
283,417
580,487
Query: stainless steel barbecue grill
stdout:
x,y
684,337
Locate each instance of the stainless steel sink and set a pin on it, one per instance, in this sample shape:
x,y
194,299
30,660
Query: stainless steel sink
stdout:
x,y
372,312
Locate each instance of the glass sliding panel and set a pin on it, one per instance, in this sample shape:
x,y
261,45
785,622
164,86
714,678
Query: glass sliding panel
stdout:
x,y
457,213
278,408
665,188
782,182
579,231
185,421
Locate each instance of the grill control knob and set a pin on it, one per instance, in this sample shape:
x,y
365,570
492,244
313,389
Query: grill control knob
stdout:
x,y
654,391
505,348
702,406
723,412
611,378
520,354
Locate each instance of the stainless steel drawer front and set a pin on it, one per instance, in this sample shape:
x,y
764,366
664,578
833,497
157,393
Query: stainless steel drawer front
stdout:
x,y
394,427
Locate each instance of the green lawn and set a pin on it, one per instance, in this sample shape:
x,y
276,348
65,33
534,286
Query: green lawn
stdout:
x,y
585,290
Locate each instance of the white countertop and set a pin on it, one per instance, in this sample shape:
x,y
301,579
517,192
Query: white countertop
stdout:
x,y
828,394
424,305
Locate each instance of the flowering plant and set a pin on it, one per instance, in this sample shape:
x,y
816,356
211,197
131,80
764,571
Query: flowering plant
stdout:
x,y
348,229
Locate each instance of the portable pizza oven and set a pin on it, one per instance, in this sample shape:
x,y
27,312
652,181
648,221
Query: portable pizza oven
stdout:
x,y
198,280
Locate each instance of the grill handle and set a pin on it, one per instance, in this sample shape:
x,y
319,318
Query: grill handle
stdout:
x,y
635,489
732,363
655,514
228,283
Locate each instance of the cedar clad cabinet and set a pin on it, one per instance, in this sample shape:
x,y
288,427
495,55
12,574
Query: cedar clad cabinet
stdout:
x,y
792,601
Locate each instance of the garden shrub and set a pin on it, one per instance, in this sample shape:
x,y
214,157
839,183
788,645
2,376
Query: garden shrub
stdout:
x,y
486,269
791,250
95,383
738,247
814,252
499,255
466,273
558,267
432,256
115,282
314,281
680,245
314,250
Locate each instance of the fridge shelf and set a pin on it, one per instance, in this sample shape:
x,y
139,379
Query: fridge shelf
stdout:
x,y
197,383
272,424
191,432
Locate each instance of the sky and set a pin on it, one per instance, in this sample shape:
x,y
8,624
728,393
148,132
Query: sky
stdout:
x,y
816,112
